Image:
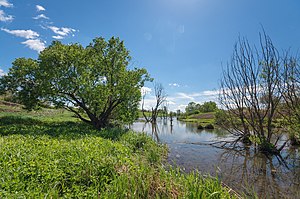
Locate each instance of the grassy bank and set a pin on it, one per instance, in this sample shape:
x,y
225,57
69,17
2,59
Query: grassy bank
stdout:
x,y
200,118
55,156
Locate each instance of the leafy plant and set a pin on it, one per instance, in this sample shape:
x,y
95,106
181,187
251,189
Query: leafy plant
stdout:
x,y
47,157
93,82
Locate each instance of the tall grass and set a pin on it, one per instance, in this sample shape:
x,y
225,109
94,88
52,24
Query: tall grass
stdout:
x,y
43,158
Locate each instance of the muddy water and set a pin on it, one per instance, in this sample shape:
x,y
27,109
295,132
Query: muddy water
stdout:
x,y
244,170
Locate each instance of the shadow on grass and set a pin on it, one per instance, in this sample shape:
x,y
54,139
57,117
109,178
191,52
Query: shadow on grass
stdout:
x,y
66,130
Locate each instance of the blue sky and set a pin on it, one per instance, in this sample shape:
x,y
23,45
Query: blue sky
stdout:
x,y
182,43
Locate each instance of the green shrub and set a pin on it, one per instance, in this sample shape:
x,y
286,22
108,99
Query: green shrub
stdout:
x,y
46,159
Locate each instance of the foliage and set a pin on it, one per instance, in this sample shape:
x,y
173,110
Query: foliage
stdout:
x,y
50,159
190,108
291,95
92,82
208,107
221,118
194,108
200,118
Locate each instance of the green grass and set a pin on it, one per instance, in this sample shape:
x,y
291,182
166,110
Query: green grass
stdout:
x,y
200,118
46,114
53,156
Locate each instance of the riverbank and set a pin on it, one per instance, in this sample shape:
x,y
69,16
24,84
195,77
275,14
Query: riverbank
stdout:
x,y
50,154
202,119
248,172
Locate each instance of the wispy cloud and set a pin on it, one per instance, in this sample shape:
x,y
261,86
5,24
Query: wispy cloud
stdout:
x,y
178,101
181,107
62,32
2,72
4,17
149,102
27,34
32,39
185,96
174,85
145,90
5,3
41,16
35,44
57,37
210,93
40,8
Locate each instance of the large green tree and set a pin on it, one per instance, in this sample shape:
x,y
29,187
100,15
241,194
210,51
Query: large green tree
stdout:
x,y
191,108
93,82
208,107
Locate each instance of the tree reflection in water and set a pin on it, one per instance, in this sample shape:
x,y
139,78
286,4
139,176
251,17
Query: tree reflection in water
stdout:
x,y
154,130
244,170
269,177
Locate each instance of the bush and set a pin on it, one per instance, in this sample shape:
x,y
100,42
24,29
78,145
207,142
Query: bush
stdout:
x,y
200,127
43,159
209,126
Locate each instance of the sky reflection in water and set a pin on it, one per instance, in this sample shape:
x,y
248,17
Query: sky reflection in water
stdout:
x,y
243,170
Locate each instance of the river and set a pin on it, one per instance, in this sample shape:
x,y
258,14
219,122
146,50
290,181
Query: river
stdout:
x,y
246,171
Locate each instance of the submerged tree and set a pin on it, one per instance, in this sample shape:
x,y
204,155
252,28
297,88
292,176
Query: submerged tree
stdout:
x,y
291,96
93,82
160,98
250,92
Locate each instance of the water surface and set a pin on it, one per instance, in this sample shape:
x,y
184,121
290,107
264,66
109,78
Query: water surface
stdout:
x,y
243,170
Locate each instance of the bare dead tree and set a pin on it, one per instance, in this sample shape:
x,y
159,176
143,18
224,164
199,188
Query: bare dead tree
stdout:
x,y
165,110
143,109
250,91
160,98
291,96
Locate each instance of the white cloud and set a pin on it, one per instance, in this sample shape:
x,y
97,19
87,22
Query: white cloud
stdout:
x,y
5,3
61,32
185,96
2,72
178,101
145,90
169,102
207,93
149,102
210,93
35,44
181,107
174,85
57,37
40,8
4,17
28,34
41,16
